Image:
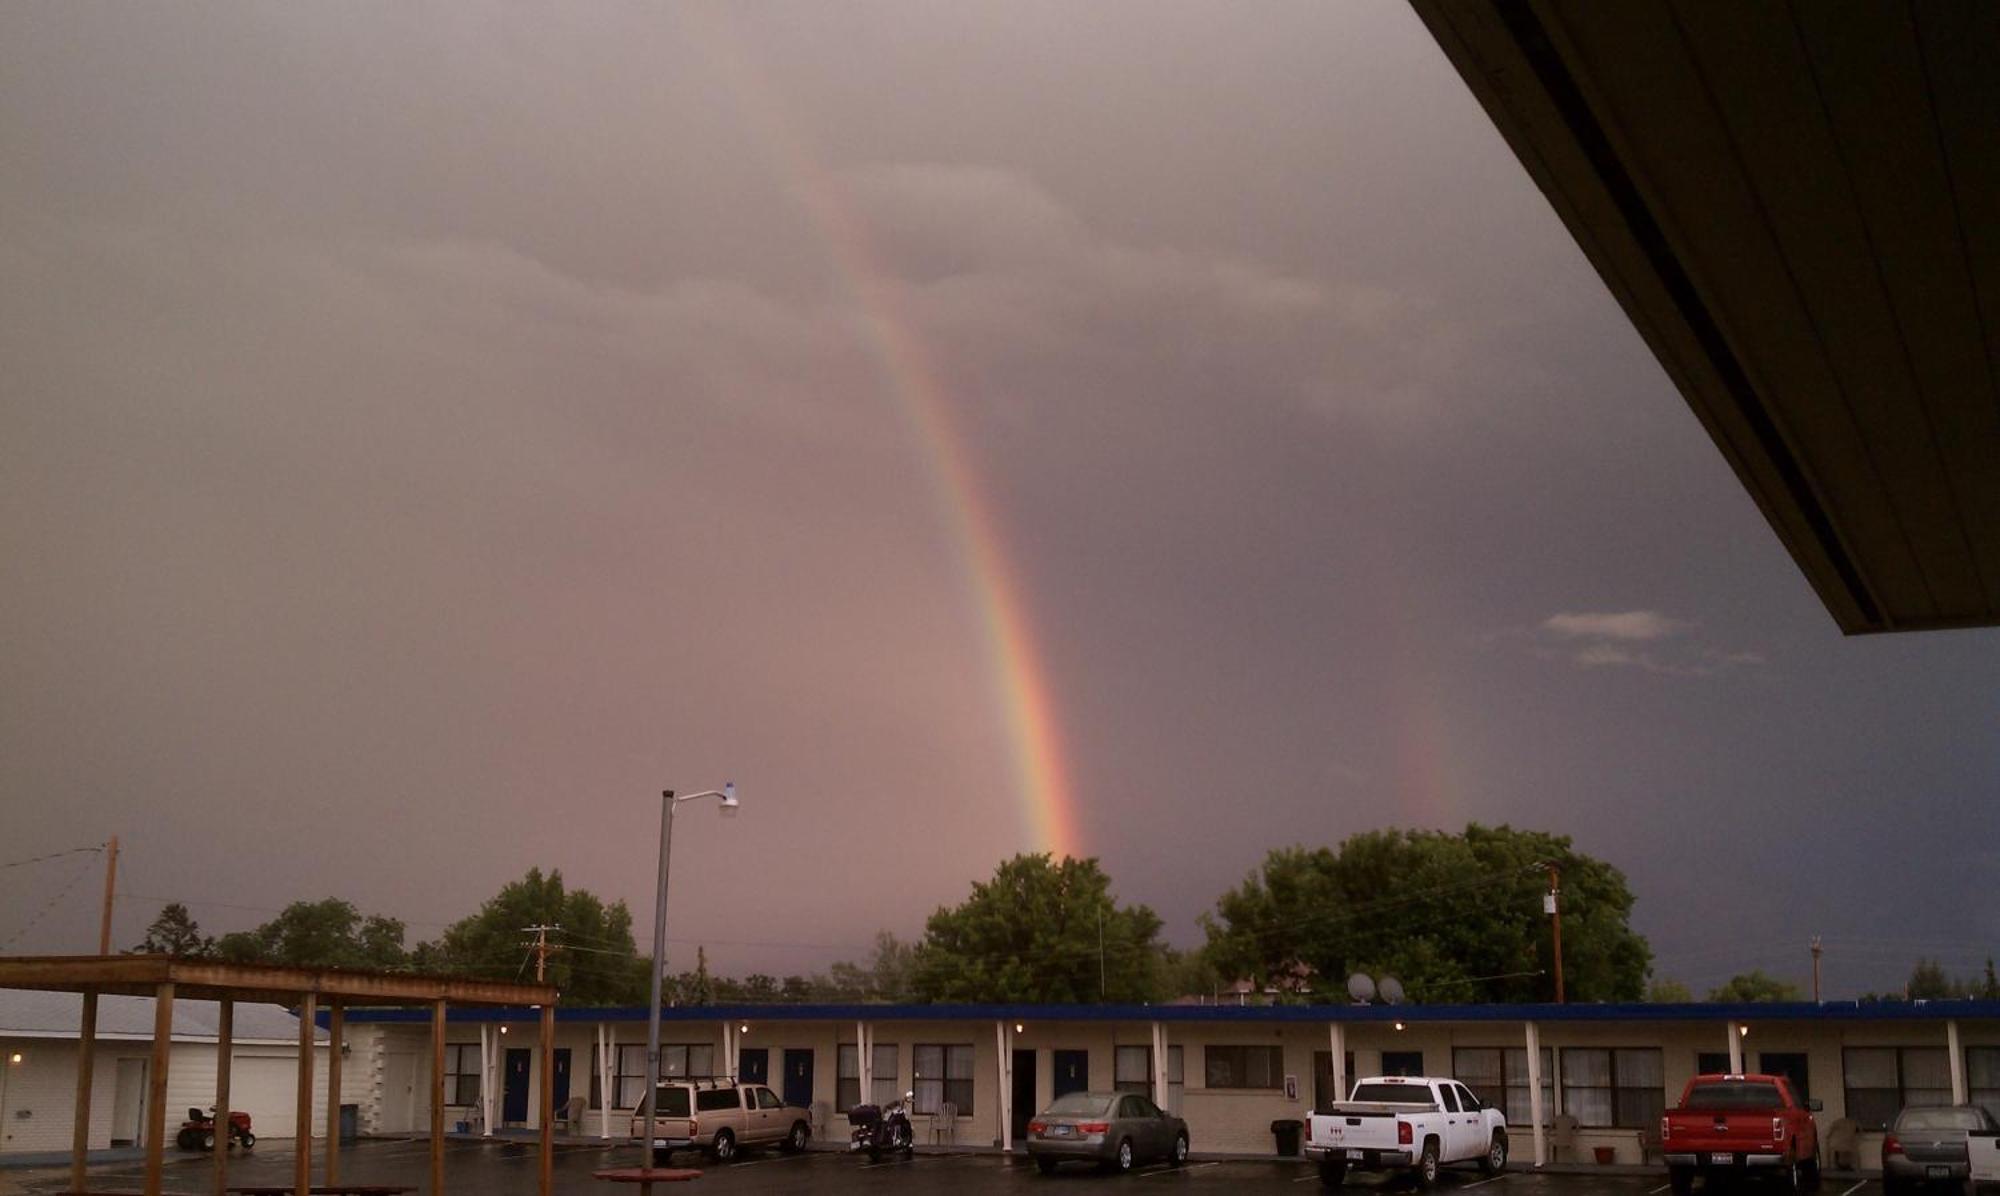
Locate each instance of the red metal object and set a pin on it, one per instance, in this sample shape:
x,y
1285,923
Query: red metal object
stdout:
x,y
647,1175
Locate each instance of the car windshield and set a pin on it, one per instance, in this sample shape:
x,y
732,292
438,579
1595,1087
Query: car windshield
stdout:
x,y
1734,1094
1081,1104
1392,1094
1941,1119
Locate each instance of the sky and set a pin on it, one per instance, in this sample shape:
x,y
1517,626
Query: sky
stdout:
x,y
1158,431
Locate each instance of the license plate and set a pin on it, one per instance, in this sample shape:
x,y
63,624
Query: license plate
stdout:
x,y
1722,1160
1357,1154
1937,1172
1061,1131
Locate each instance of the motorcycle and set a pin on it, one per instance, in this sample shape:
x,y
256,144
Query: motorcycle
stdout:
x,y
877,1129
198,1131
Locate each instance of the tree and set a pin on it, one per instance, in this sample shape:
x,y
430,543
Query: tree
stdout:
x,y
328,934
1668,992
889,974
175,932
1457,918
1755,987
596,962
1041,930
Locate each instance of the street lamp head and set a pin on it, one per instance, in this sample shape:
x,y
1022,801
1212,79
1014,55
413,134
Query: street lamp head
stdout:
x,y
729,802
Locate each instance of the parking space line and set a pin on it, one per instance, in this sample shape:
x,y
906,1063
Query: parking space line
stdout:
x,y
1856,1188
1482,1183
776,1158
1658,1190
1180,1170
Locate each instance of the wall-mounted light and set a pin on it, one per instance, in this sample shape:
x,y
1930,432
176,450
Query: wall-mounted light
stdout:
x,y
743,1029
503,1029
1019,1028
1742,1031
14,1058
1399,1025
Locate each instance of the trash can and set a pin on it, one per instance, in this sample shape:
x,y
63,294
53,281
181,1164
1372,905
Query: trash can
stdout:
x,y
1288,1130
350,1122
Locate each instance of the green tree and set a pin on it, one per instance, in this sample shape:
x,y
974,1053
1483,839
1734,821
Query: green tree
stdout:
x,y
1456,917
1668,992
1755,987
1928,982
175,932
328,934
595,962
1041,930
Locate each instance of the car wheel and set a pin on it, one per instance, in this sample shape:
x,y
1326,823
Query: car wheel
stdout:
x,y
1179,1156
1795,1177
724,1149
1495,1160
1123,1161
1681,1180
1427,1164
796,1140
1813,1171
1046,1166
1332,1174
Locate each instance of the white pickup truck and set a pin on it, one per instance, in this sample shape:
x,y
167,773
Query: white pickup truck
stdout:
x,y
1406,1123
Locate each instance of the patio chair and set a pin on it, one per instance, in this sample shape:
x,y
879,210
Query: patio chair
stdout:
x,y
570,1116
1842,1144
1562,1135
944,1124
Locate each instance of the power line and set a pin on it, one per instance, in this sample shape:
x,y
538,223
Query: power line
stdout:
x,y
54,855
52,903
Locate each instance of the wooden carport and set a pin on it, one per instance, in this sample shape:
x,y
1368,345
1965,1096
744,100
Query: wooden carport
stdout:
x,y
165,977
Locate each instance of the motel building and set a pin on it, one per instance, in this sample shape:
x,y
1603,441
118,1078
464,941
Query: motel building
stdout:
x,y
1605,1073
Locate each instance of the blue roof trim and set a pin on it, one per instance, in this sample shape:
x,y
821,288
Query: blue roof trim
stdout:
x,y
1830,1011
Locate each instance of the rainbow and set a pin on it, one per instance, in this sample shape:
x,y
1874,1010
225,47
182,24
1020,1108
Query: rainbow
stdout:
x,y
913,380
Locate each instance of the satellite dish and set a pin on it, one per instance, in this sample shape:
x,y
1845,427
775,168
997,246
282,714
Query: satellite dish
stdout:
x,y
1392,990
1361,988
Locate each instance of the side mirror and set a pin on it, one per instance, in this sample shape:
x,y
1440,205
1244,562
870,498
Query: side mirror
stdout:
x,y
1814,1106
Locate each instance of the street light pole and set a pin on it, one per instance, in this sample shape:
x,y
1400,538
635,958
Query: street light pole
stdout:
x,y
667,803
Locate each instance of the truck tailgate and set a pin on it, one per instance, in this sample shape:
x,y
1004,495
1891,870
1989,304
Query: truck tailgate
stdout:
x,y
1354,1126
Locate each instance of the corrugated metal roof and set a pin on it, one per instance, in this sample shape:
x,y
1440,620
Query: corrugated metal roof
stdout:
x,y
28,1013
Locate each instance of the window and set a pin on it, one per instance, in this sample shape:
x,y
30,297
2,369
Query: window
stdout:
x,y
943,1073
1449,1095
847,1077
1243,1067
1402,1063
461,1074
1620,1086
767,1099
708,1100
678,1061
1132,1069
1498,1076
1883,1081
1982,1078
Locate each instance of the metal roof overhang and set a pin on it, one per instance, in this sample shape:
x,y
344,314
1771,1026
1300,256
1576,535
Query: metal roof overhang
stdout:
x,y
1798,206
142,976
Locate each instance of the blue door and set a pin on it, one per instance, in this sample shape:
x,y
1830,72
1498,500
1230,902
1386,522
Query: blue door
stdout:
x,y
1072,1071
562,1078
753,1065
799,1078
514,1105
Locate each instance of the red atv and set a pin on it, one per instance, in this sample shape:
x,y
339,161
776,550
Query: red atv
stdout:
x,y
198,1131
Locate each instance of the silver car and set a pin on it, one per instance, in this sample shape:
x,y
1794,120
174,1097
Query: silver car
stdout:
x,y
1927,1145
1116,1130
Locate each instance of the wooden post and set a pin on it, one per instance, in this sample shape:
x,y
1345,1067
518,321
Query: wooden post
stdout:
x,y
1556,923
437,1099
548,1094
156,1087
110,890
335,1025
86,1063
302,1120
225,1050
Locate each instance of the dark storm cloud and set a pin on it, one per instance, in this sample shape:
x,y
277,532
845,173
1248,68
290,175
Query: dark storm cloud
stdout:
x,y
428,432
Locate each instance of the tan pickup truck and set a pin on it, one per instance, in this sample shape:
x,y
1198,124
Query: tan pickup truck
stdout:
x,y
721,1117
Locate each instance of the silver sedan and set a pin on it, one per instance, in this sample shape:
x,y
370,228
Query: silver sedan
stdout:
x,y
1927,1145
1116,1130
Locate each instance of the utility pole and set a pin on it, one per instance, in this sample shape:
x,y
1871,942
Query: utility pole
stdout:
x,y
110,889
1815,955
1100,952
1553,904
541,947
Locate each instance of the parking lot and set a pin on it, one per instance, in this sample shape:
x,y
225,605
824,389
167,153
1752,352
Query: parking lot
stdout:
x,y
508,1169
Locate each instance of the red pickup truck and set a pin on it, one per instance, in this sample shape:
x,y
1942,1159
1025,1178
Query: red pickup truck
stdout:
x,y
1728,1126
